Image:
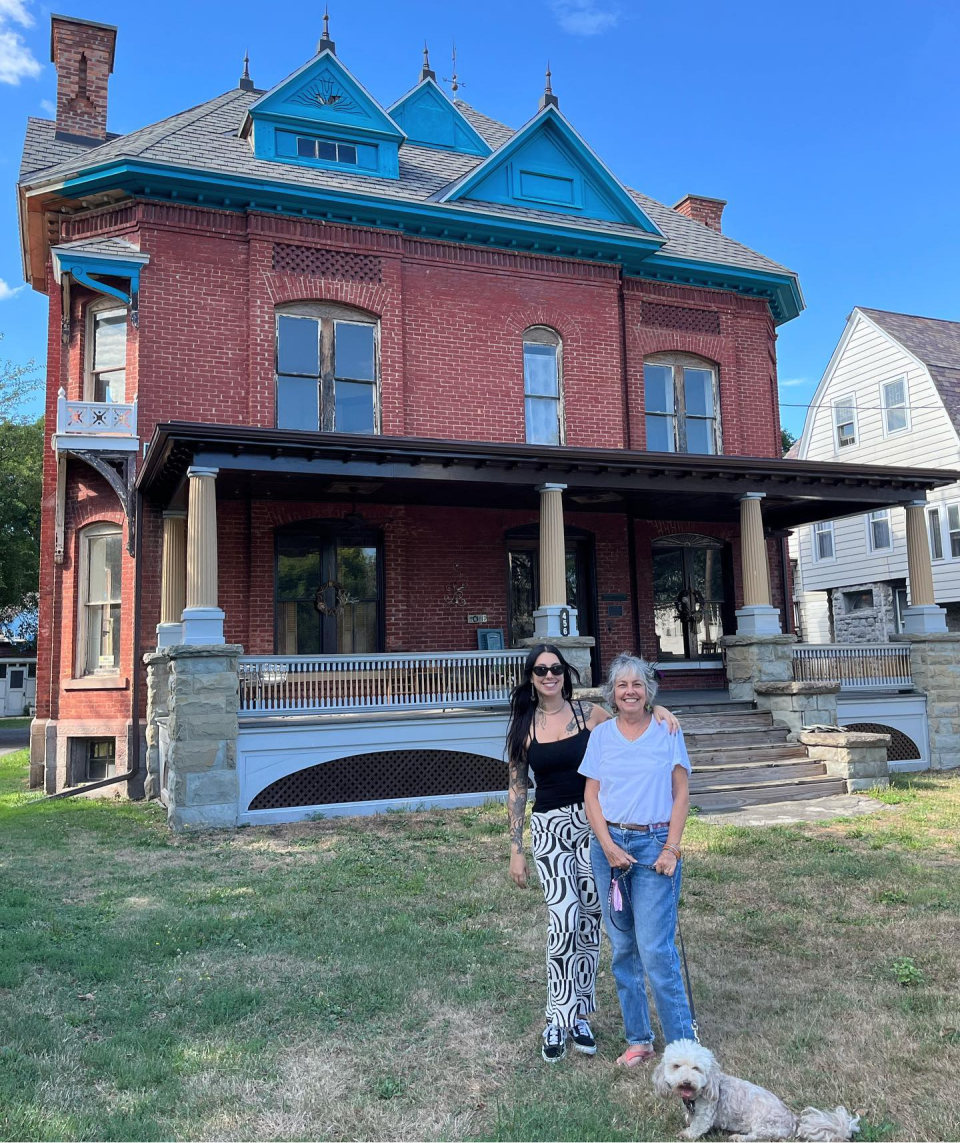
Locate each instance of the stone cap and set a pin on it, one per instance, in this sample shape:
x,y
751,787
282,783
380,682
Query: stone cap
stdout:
x,y
796,688
194,651
837,736
933,637
560,641
748,640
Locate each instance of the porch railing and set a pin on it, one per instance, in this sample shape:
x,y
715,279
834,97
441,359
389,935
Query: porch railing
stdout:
x,y
347,683
855,666
96,418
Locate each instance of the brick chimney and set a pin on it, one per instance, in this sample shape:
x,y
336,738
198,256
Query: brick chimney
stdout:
x,y
706,210
82,52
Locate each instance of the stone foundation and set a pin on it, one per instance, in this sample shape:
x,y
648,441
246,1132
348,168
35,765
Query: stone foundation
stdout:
x,y
872,624
753,659
799,705
935,662
576,650
860,759
158,707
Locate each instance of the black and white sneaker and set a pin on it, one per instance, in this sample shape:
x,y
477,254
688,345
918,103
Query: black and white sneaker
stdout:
x,y
554,1043
583,1038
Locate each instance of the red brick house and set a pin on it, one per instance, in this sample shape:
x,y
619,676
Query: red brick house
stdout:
x,y
365,345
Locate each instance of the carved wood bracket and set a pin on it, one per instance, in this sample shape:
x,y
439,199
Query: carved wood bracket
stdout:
x,y
120,472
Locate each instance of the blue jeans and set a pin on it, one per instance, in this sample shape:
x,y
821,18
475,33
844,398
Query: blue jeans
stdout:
x,y
648,946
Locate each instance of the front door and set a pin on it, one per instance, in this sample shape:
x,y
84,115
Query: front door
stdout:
x,y
328,591
16,693
692,596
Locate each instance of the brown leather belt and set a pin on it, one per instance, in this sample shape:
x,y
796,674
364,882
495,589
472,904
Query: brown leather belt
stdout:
x,y
639,828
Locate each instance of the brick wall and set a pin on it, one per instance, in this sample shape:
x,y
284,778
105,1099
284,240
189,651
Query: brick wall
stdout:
x,y
83,56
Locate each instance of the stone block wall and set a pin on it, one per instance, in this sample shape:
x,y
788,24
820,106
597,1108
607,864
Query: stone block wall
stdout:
x,y
935,661
860,759
799,705
757,658
874,624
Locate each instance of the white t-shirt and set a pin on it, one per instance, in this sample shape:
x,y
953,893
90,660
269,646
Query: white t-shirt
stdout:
x,y
636,778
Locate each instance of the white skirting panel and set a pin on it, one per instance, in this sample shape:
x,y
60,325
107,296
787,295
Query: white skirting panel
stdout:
x,y
906,713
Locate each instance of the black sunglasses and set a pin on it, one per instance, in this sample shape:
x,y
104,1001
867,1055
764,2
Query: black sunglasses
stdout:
x,y
554,669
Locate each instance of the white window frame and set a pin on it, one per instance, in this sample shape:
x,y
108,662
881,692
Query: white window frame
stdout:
x,y
849,402
940,514
885,407
951,509
102,307
90,532
679,417
825,526
545,335
880,514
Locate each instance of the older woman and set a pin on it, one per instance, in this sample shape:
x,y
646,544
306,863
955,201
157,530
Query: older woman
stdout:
x,y
637,800
548,735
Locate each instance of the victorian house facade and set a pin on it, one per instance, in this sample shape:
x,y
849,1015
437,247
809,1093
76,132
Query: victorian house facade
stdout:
x,y
366,395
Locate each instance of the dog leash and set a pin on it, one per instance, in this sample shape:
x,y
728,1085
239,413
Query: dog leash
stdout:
x,y
686,978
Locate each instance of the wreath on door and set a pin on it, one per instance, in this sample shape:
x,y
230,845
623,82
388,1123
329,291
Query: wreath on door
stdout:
x,y
341,598
684,612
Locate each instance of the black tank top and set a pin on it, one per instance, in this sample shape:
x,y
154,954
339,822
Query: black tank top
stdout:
x,y
555,766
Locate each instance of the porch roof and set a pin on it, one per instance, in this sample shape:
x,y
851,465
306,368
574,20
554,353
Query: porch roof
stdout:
x,y
283,464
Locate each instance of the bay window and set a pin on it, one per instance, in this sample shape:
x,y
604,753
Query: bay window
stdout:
x,y
681,404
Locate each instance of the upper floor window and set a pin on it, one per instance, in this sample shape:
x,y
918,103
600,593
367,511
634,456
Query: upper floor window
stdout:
x,y
934,527
878,530
291,145
106,353
542,389
893,399
824,542
98,637
682,404
845,422
327,369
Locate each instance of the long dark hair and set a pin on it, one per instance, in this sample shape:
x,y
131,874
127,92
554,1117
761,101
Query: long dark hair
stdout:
x,y
523,701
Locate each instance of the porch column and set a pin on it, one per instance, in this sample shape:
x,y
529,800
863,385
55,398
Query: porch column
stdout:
x,y
173,578
553,567
922,616
202,618
757,616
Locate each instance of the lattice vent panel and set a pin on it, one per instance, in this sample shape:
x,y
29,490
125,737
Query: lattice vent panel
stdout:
x,y
312,262
680,317
391,774
902,747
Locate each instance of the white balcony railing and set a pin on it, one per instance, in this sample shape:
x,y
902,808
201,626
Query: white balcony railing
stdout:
x,y
855,666
348,683
96,424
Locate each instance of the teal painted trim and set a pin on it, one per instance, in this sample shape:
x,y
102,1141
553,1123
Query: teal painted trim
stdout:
x,y
412,113
266,145
781,290
83,266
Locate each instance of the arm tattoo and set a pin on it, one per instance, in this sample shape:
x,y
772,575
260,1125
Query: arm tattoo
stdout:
x,y
586,709
517,803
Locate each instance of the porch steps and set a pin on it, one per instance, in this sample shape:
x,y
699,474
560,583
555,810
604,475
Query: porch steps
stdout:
x,y
736,797
744,755
733,736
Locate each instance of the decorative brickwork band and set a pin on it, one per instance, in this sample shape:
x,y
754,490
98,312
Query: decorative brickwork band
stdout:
x,y
314,262
684,318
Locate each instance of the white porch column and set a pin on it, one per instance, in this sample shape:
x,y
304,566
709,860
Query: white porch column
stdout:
x,y
923,616
553,567
202,618
173,578
757,616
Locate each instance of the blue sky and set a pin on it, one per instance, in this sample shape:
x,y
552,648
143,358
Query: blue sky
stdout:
x,y
831,128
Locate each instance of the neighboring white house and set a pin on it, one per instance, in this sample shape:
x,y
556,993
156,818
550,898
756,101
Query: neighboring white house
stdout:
x,y
890,395
18,681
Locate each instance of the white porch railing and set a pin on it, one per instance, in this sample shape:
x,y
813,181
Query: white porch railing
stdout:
x,y
96,419
344,683
855,666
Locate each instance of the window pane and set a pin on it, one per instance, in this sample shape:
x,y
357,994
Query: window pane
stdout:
x,y
660,434
540,371
354,412
893,394
326,150
308,629
103,576
522,578
936,540
357,572
346,153
953,517
298,345
824,539
700,435
110,340
298,568
103,638
698,392
844,413
298,403
354,351
896,419
658,388
111,386
542,424
357,629
306,148
881,533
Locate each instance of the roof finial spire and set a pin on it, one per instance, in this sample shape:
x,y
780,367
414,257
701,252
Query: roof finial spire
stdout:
x,y
326,44
426,72
246,83
548,99
454,79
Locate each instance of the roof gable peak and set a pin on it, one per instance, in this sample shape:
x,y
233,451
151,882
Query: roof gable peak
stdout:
x,y
429,118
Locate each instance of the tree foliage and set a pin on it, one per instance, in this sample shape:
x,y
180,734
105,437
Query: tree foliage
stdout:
x,y
787,440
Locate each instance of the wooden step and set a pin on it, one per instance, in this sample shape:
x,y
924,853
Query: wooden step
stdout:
x,y
746,719
725,737
742,755
673,700
726,777
718,801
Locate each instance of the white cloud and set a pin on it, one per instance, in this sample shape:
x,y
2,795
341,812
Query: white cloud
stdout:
x,y
16,60
794,383
582,17
49,106
8,292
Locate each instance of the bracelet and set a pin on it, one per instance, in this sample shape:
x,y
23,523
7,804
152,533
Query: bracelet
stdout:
x,y
674,849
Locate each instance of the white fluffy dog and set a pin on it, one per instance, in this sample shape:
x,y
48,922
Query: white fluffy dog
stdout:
x,y
714,1099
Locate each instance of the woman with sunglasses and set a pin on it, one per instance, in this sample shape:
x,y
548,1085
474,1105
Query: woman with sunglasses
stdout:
x,y
547,736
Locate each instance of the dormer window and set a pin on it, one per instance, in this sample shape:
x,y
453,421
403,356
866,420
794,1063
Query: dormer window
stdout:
x,y
314,148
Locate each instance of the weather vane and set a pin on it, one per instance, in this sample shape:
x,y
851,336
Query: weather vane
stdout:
x,y
454,79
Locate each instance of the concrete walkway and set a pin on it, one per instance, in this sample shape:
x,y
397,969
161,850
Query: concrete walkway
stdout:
x,y
789,813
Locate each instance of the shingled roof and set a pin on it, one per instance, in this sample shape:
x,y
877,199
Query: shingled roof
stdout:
x,y
205,138
933,341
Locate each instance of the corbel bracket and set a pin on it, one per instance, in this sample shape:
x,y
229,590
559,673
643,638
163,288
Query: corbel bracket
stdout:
x,y
120,472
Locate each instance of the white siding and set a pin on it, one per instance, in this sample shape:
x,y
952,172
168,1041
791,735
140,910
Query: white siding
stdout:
x,y
869,358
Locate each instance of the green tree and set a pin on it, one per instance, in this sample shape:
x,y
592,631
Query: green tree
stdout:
x,y
787,440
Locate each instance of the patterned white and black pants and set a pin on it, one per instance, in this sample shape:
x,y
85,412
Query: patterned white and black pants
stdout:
x,y
561,850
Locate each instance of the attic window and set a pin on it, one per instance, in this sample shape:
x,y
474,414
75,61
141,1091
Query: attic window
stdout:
x,y
553,187
312,148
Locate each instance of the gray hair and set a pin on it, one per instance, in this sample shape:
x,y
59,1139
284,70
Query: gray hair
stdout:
x,y
632,665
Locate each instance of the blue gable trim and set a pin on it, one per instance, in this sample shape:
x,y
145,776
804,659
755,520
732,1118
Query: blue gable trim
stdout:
x,y
323,101
88,268
430,119
548,166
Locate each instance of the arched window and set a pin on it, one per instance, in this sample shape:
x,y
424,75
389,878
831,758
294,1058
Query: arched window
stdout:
x,y
98,613
682,403
105,352
543,385
328,368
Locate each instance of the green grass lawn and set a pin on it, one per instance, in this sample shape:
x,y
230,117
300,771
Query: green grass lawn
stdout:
x,y
381,978
14,723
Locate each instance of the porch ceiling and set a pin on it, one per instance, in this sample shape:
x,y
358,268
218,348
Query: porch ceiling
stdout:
x,y
281,464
